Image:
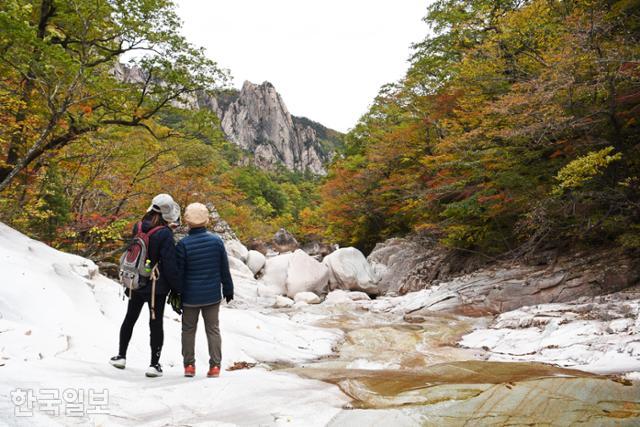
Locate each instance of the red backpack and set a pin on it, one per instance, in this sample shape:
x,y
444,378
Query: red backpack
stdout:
x,y
134,262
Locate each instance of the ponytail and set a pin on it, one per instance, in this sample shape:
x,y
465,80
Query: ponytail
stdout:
x,y
155,218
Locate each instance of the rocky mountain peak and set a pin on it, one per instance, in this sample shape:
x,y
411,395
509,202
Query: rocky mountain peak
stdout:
x,y
257,120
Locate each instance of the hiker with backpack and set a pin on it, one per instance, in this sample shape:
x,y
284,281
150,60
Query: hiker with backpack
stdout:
x,y
206,279
148,271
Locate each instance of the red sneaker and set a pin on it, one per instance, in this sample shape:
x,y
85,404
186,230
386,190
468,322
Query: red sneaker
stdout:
x,y
214,371
189,371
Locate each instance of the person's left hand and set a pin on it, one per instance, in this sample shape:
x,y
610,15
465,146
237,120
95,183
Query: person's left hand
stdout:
x,y
228,298
175,300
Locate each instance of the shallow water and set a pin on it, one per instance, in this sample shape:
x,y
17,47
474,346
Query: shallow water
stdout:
x,y
400,373
381,340
436,383
534,401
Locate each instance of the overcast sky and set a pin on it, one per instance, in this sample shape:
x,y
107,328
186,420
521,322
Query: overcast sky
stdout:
x,y
326,58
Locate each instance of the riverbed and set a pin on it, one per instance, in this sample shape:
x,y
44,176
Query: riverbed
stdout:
x,y
399,372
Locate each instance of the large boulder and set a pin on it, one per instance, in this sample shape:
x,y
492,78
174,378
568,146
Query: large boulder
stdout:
x,y
349,270
283,241
275,273
236,249
417,261
255,261
393,261
305,274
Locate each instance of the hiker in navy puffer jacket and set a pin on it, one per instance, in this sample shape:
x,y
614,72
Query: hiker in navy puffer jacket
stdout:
x,y
204,268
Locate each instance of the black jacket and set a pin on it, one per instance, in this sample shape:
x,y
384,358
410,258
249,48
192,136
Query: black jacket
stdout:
x,y
162,250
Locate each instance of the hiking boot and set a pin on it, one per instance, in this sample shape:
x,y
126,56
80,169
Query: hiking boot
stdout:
x,y
189,371
214,371
154,371
118,361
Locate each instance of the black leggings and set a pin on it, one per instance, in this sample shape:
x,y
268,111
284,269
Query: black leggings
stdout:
x,y
136,302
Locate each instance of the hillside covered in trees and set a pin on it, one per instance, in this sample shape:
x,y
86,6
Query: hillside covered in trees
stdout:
x,y
516,127
83,147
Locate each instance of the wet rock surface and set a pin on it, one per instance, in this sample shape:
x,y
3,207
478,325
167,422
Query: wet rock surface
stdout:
x,y
536,401
399,373
433,384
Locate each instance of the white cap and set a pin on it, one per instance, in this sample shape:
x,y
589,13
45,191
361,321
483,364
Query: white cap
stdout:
x,y
165,204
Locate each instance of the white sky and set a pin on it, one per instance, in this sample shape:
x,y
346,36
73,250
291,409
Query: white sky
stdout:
x,y
326,58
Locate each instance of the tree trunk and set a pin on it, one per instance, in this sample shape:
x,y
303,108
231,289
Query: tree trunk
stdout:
x,y
47,10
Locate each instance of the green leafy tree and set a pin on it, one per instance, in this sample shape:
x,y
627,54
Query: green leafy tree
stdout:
x,y
60,58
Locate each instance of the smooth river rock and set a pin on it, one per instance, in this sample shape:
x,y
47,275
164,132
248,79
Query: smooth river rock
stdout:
x,y
239,268
275,273
307,298
236,249
283,302
255,261
349,270
305,274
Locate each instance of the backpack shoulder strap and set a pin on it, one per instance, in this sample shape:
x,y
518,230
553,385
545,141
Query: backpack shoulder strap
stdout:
x,y
154,229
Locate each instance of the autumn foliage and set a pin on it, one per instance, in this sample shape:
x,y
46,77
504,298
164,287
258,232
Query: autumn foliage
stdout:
x,y
516,127
84,146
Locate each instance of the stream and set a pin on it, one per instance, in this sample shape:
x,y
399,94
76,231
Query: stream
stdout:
x,y
414,373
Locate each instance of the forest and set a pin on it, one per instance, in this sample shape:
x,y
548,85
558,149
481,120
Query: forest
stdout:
x,y
514,128
83,148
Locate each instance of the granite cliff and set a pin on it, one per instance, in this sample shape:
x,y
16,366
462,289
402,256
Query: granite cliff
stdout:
x,y
257,120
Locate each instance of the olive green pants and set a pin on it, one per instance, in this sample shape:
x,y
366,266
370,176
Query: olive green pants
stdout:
x,y
212,328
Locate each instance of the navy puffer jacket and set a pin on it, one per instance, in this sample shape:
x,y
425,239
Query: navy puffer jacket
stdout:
x,y
204,267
